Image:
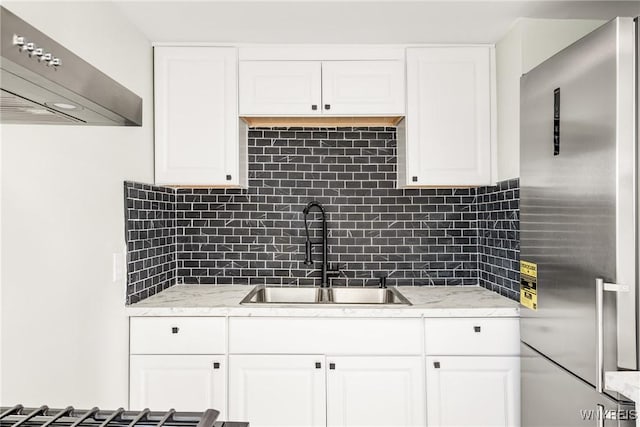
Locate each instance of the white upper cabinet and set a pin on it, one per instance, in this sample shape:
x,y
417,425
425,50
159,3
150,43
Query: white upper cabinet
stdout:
x,y
363,87
278,88
448,124
196,116
329,88
444,93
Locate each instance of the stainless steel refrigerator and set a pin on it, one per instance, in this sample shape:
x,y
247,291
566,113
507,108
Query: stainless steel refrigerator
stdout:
x,y
579,229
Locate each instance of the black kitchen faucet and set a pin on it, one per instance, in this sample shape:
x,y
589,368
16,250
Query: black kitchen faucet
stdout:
x,y
326,272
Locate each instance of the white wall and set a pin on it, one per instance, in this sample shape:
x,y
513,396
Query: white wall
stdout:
x,y
543,38
64,328
528,43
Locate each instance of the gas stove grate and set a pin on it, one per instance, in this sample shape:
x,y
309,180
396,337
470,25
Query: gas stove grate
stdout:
x,y
19,416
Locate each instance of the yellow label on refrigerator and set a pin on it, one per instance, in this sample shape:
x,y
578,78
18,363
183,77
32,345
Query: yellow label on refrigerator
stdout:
x,y
529,284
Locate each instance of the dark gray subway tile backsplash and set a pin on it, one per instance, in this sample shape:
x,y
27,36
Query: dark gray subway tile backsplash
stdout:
x,y
150,232
256,235
499,237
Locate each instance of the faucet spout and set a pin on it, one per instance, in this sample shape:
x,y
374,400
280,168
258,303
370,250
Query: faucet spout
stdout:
x,y
307,252
324,242
311,205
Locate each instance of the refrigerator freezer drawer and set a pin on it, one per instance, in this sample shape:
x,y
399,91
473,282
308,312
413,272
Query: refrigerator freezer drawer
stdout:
x,y
553,397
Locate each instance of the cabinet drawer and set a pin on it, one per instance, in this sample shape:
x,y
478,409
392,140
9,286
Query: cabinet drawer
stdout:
x,y
177,335
472,336
281,335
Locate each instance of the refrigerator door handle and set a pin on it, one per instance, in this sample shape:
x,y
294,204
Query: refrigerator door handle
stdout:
x,y
626,194
601,287
603,415
600,416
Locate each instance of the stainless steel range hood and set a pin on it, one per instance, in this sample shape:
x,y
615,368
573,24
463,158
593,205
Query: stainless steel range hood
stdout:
x,y
42,82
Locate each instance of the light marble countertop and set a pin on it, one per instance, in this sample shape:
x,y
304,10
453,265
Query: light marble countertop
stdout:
x,y
626,383
428,301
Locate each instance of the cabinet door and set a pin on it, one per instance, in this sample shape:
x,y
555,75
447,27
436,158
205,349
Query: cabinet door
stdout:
x,y
363,87
185,383
473,391
196,119
277,390
280,88
375,391
448,140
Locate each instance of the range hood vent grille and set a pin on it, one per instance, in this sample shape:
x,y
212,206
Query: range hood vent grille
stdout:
x,y
15,109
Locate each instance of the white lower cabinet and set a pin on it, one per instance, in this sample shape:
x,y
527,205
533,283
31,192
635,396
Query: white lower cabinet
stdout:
x,y
375,391
335,372
182,382
473,391
277,390
304,391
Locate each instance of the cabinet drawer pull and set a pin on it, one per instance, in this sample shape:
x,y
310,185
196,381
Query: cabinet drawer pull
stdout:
x,y
476,329
332,366
318,365
175,329
216,365
436,365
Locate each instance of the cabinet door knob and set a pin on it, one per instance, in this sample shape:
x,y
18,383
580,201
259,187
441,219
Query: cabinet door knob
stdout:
x,y
216,365
414,178
228,177
436,365
318,365
327,106
175,329
477,329
314,107
332,366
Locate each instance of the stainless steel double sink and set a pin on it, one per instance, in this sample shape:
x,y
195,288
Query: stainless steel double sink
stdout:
x,y
311,295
